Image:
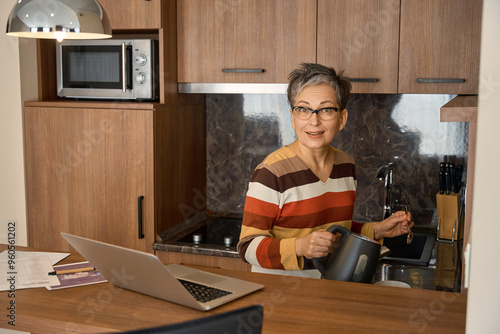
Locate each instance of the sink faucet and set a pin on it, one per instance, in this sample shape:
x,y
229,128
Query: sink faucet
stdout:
x,y
385,173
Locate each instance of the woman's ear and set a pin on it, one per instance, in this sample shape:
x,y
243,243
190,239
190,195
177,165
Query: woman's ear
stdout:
x,y
292,119
343,119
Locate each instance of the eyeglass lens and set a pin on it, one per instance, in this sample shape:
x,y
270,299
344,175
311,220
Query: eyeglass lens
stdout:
x,y
409,237
323,113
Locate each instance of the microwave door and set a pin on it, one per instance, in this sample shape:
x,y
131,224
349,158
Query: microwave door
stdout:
x,y
96,71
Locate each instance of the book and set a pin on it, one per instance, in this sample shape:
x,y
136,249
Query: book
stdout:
x,y
77,279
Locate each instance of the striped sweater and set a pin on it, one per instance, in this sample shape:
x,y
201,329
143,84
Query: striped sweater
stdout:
x,y
286,200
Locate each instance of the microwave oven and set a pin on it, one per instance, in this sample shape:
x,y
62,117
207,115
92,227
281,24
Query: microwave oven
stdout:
x,y
108,69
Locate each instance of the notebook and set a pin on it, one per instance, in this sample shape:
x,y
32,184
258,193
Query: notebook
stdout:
x,y
145,273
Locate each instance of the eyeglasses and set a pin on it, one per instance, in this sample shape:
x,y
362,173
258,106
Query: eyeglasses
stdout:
x,y
409,237
325,114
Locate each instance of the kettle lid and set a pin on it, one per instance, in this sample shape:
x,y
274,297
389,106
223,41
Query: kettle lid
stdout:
x,y
364,238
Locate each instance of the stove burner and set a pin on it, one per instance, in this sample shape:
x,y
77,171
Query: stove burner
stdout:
x,y
228,241
197,238
218,231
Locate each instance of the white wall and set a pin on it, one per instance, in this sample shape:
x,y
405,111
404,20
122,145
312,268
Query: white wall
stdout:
x,y
483,304
12,191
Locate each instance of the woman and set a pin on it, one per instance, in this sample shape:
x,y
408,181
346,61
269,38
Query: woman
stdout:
x,y
298,191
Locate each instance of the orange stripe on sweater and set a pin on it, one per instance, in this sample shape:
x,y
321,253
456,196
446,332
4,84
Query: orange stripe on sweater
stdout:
x,y
313,205
261,208
330,215
266,248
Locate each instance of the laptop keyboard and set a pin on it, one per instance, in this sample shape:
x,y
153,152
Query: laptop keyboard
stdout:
x,y
203,293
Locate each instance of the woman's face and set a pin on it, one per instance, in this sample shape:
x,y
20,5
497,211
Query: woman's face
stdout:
x,y
316,133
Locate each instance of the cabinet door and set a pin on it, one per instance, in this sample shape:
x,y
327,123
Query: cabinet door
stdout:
x,y
362,38
133,14
439,51
239,41
85,172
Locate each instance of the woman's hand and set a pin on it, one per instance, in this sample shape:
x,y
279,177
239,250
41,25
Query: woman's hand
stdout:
x,y
397,224
314,245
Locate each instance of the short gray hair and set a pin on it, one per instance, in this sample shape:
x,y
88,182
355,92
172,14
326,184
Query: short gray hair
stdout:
x,y
310,74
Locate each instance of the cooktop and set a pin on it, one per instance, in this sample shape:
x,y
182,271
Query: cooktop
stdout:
x,y
219,231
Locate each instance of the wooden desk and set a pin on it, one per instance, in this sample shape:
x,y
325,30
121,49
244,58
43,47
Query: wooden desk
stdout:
x,y
291,305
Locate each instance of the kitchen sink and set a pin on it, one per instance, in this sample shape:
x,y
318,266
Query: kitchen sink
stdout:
x,y
417,253
415,276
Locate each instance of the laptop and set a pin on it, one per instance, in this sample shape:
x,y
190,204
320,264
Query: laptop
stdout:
x,y
246,320
145,273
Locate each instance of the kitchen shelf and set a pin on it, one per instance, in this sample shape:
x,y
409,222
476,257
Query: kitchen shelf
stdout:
x,y
462,108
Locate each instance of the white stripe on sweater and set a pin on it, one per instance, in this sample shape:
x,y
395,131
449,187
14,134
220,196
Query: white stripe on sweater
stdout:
x,y
251,253
261,192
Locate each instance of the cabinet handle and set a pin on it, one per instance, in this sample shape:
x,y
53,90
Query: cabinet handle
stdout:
x,y
243,70
139,220
362,79
433,80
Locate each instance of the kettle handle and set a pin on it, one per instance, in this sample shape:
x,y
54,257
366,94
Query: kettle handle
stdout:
x,y
318,263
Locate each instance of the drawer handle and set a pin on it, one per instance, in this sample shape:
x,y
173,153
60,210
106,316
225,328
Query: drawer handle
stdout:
x,y
243,70
362,79
139,220
433,80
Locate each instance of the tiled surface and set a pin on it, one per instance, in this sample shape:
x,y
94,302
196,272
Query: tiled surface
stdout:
x,y
403,129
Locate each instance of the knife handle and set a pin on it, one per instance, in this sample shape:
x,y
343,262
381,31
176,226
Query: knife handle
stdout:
x,y
459,172
447,181
442,184
452,177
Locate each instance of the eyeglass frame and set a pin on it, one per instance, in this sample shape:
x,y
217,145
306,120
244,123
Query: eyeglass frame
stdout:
x,y
409,237
315,111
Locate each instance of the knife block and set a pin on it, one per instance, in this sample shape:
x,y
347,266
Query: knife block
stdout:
x,y
448,212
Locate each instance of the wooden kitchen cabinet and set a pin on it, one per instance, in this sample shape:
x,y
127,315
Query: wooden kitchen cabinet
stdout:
x,y
88,163
203,260
85,170
93,168
129,19
256,41
133,14
440,42
384,46
365,45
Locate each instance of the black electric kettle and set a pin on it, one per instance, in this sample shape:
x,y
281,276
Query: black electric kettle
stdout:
x,y
355,260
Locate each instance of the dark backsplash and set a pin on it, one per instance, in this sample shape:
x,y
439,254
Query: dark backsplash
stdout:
x,y
403,129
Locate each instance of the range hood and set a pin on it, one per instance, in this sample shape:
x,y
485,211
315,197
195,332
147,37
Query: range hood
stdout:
x,y
231,88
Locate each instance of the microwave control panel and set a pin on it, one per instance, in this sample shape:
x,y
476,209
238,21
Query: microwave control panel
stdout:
x,y
143,69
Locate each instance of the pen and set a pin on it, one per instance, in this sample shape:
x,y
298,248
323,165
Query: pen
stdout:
x,y
71,271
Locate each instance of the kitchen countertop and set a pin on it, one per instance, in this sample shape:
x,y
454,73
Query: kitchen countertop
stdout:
x,y
442,273
291,305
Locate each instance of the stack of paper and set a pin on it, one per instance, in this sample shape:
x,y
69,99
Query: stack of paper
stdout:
x,y
23,270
